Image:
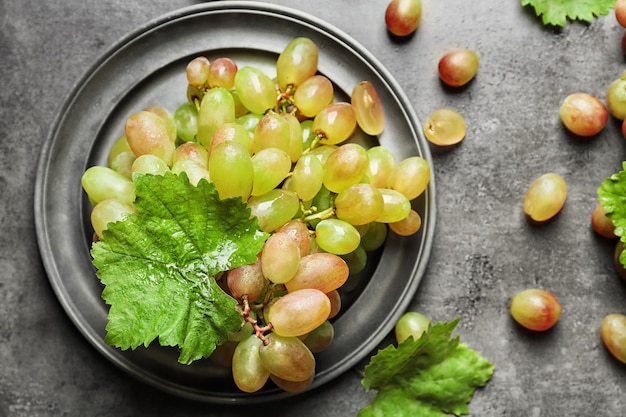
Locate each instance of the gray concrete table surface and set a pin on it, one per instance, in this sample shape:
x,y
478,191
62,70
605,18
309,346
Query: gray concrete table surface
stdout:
x,y
484,249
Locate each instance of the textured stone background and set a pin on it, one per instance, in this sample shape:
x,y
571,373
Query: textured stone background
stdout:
x,y
484,249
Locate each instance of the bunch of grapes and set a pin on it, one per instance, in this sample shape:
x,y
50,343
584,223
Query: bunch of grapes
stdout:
x,y
283,146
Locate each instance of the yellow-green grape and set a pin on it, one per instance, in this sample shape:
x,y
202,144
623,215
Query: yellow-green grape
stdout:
x,y
244,331
186,118
216,108
410,176
375,236
359,204
337,236
102,183
411,324
295,147
320,338
249,121
313,95
545,197
308,136
147,133
197,71
255,89
321,270
292,386
231,131
368,108
240,109
280,258
307,175
380,162
149,164
194,170
271,166
323,152
299,312
616,97
408,226
287,357
121,157
271,132
249,371
109,211
345,167
274,208
335,123
396,207
193,151
613,334
445,127
300,233
231,170
167,118
297,62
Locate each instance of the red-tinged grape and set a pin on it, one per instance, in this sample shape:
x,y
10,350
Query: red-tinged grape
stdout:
x,y
545,197
271,132
408,226
601,223
335,123
322,271
307,176
458,67
193,151
255,89
271,166
613,333
246,280
299,312
313,95
274,208
619,267
249,372
167,117
288,358
583,114
109,211
368,109
535,309
217,107
300,233
280,258
411,324
380,162
402,17
101,183
335,303
345,167
359,204
197,71
616,97
336,236
445,127
292,386
194,170
148,133
231,170
320,338
374,237
396,208
297,62
222,73
410,176
231,131
623,42
620,12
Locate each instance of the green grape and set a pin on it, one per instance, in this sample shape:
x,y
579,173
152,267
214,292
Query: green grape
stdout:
x,y
410,177
411,324
368,108
149,164
244,332
274,208
295,147
320,338
109,211
271,166
186,118
323,152
359,204
102,183
193,151
292,386
545,197
271,132
249,121
315,93
222,73
380,162
119,147
396,207
246,280
297,62
306,179
280,258
231,131
231,170
197,71
411,224
337,236
335,303
616,97
345,167
374,237
147,133
299,312
335,123
249,372
613,334
322,271
255,89
168,119
308,136
222,356
240,109
194,170
356,260
288,358
445,127
217,107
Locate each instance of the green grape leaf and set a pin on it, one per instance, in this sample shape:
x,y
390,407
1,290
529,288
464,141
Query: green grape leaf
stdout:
x,y
612,198
557,12
435,375
159,266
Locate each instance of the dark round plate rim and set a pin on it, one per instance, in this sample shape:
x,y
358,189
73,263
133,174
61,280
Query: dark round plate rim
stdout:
x,y
48,241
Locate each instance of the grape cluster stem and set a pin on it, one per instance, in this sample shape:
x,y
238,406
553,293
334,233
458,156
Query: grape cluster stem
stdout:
x,y
259,331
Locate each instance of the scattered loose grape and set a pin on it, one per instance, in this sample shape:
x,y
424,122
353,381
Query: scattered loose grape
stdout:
x,y
613,332
445,127
545,197
616,97
458,67
535,309
583,114
601,224
402,17
411,324
619,267
620,12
